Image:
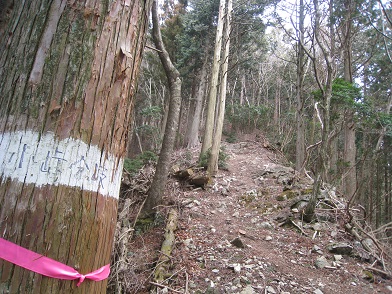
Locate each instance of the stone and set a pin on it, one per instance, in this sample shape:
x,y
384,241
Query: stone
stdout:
x,y
237,242
248,290
340,248
317,227
317,249
237,268
318,291
338,257
268,238
321,262
242,232
270,289
265,225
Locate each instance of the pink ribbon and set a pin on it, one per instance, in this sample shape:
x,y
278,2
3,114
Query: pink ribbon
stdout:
x,y
45,266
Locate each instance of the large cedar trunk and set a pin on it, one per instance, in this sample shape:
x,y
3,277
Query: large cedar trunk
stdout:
x,y
67,78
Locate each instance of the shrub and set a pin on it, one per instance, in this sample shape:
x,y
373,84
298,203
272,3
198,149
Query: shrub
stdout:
x,y
132,166
222,159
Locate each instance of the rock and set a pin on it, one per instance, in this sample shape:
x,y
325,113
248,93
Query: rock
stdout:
x,y
242,232
318,291
265,225
268,238
317,227
238,243
270,289
338,257
340,248
317,249
321,262
389,288
248,290
237,267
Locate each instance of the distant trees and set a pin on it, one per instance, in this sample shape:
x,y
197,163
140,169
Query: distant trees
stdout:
x,y
316,83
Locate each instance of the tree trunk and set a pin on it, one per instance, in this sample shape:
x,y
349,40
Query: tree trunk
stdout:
x,y
350,150
213,161
300,142
322,165
193,133
155,192
210,117
278,87
67,76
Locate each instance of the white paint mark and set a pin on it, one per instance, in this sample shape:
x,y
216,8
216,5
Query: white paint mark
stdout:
x,y
47,161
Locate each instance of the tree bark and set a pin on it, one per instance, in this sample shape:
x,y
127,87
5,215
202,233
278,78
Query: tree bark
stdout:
x,y
350,150
210,117
67,74
322,165
216,142
193,133
155,192
300,142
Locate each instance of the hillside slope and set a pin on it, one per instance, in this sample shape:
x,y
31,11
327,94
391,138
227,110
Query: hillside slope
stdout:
x,y
244,234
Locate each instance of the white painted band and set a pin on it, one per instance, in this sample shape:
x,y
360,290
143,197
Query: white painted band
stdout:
x,y
44,160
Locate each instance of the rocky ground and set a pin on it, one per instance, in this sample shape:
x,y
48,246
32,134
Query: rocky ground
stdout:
x,y
245,235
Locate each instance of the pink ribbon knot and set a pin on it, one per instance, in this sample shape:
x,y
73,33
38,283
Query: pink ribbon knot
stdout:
x,y
46,266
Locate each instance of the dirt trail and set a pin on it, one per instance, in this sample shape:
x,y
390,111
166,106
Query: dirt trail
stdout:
x,y
229,239
242,204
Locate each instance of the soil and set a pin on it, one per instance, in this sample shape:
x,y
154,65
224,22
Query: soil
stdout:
x,y
236,237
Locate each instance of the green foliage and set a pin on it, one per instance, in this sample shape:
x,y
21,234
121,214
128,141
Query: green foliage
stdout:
x,y
231,138
132,166
370,117
343,93
151,111
246,117
222,158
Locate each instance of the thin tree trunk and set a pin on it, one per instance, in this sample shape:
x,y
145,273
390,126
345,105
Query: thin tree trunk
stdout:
x,y
350,150
155,192
323,161
193,134
68,76
213,161
300,143
210,117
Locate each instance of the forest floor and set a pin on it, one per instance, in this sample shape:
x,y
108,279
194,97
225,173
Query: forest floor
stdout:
x,y
243,234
